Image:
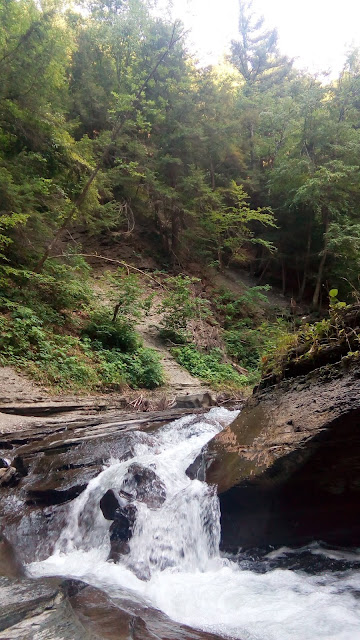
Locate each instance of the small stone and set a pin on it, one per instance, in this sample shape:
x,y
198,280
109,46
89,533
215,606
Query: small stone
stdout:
x,y
8,477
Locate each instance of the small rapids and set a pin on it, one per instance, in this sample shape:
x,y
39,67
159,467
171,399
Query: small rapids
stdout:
x,y
174,564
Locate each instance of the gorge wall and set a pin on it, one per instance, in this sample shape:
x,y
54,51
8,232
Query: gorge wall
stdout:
x,y
288,468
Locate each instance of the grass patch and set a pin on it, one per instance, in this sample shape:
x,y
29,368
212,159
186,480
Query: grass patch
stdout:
x,y
209,367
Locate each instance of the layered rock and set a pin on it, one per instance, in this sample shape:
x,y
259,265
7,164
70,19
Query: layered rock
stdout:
x,y
45,467
288,468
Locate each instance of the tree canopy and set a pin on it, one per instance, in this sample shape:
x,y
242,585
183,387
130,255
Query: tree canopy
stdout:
x,y
106,121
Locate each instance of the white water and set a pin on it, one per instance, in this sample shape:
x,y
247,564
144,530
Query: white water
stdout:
x,y
177,548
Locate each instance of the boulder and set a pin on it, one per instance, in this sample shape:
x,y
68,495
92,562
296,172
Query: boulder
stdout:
x,y
144,485
194,401
36,609
10,564
109,503
288,468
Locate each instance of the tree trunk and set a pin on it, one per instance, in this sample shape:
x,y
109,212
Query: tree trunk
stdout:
x,y
175,231
212,174
306,262
283,276
252,150
316,295
262,275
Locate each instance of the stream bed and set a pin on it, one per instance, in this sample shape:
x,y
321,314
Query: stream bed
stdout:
x,y
172,563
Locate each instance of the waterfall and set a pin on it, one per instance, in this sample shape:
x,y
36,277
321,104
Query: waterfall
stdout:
x,y
172,560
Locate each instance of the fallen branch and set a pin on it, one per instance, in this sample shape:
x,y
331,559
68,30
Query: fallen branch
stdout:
x,y
113,261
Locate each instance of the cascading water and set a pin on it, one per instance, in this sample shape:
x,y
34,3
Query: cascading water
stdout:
x,y
173,561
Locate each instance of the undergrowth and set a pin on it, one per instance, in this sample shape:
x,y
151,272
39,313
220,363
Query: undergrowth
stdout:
x,y
336,335
249,331
209,366
52,328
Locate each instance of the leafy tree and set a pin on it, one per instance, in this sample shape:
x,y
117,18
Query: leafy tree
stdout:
x,y
256,54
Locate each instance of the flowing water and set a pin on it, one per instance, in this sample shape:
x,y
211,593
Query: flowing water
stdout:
x,y
174,563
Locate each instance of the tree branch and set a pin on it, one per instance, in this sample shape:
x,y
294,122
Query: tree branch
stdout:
x,y
113,261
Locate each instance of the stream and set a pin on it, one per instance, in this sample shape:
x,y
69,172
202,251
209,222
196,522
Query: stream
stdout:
x,y
172,560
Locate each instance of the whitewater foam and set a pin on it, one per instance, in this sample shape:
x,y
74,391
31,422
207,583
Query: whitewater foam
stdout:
x,y
177,548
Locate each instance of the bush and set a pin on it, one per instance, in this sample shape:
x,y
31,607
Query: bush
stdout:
x,y
208,366
139,369
233,307
66,362
50,358
60,287
108,334
249,345
178,307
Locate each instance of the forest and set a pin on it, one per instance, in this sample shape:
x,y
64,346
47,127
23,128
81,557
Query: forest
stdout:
x,y
109,125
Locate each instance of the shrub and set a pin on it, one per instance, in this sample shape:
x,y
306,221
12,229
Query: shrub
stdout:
x,y
108,334
233,307
128,293
178,307
208,366
249,345
141,368
54,359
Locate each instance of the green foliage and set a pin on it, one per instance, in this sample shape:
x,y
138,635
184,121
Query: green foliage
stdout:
x,y
333,300
54,359
209,366
228,226
250,345
106,122
179,306
69,363
336,335
108,334
141,368
128,292
233,307
249,337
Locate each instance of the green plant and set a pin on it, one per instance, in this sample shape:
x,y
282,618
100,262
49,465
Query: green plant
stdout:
x,y
248,345
233,307
179,306
106,333
333,300
54,359
208,366
142,368
128,294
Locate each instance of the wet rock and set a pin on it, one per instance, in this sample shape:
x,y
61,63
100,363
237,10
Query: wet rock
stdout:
x,y
54,463
36,610
144,485
10,564
49,609
109,503
9,477
4,463
20,466
197,469
194,401
122,619
122,528
60,486
288,468
123,524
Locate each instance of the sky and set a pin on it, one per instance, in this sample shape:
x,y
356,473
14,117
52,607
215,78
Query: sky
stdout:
x,y
317,33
